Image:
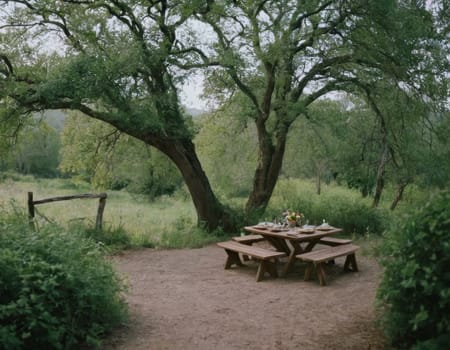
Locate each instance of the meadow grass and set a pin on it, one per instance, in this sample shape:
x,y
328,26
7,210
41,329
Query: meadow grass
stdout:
x,y
171,221
147,223
337,205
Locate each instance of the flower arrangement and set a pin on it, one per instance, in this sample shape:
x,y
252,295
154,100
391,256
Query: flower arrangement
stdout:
x,y
293,217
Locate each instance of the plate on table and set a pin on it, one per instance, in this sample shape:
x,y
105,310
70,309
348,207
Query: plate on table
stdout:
x,y
307,229
259,227
276,229
324,227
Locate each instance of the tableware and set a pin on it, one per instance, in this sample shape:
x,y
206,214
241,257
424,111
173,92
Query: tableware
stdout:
x,y
307,229
324,227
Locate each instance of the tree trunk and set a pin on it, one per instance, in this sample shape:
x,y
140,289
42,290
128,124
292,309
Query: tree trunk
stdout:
x,y
320,167
318,183
266,173
210,212
181,150
380,177
399,193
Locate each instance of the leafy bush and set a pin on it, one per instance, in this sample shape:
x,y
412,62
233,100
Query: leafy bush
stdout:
x,y
185,234
439,343
414,295
114,238
339,206
56,289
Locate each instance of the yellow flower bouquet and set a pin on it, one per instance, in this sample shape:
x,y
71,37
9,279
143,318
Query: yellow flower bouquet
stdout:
x,y
294,218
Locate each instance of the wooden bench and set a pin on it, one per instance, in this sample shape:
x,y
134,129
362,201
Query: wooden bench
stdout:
x,y
318,258
268,259
332,241
249,240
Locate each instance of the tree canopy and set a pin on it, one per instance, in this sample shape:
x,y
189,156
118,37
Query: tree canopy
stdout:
x,y
122,62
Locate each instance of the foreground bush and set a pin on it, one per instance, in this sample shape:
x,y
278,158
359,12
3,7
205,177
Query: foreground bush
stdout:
x,y
56,289
414,295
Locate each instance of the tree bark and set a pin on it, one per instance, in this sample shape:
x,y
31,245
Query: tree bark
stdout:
x,y
318,183
210,212
399,194
320,167
266,173
379,185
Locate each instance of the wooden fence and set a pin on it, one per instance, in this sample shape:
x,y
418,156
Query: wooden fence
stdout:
x,y
101,205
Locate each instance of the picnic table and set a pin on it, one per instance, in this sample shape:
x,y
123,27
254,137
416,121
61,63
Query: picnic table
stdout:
x,y
292,241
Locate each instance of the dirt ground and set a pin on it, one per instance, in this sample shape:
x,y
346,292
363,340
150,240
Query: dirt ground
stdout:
x,y
184,299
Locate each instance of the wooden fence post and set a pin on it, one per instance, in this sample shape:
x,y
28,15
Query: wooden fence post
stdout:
x,y
101,208
31,209
101,205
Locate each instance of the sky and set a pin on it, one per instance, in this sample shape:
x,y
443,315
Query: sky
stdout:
x,y
191,92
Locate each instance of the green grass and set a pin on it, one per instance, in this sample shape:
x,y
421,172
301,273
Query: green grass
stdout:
x,y
339,206
170,222
147,223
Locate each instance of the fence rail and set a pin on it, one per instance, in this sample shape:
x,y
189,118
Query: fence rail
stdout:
x,y
101,205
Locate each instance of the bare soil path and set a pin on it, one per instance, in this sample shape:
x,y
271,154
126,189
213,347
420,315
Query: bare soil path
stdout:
x,y
184,299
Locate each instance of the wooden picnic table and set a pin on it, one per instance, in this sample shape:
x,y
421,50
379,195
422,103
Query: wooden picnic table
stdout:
x,y
291,241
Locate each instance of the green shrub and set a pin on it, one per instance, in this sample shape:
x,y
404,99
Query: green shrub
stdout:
x,y
185,234
439,343
113,238
414,295
338,206
57,290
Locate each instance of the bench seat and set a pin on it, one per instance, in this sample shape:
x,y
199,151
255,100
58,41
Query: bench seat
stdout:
x,y
267,258
332,241
249,239
318,258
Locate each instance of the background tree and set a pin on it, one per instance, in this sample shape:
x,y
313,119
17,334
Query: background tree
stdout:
x,y
227,146
313,143
113,61
284,55
120,62
112,160
35,151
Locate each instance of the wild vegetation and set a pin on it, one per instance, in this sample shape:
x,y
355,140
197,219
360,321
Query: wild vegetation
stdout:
x,y
57,290
335,108
121,64
414,296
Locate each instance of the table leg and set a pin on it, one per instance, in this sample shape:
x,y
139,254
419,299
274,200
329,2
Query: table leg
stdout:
x,y
279,244
350,263
298,249
266,266
289,263
233,258
321,274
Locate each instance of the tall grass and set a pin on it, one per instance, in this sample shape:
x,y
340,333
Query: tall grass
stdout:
x,y
339,206
170,222
147,223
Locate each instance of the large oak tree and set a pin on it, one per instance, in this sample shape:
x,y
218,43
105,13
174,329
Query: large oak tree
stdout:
x,y
121,61
112,61
285,55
